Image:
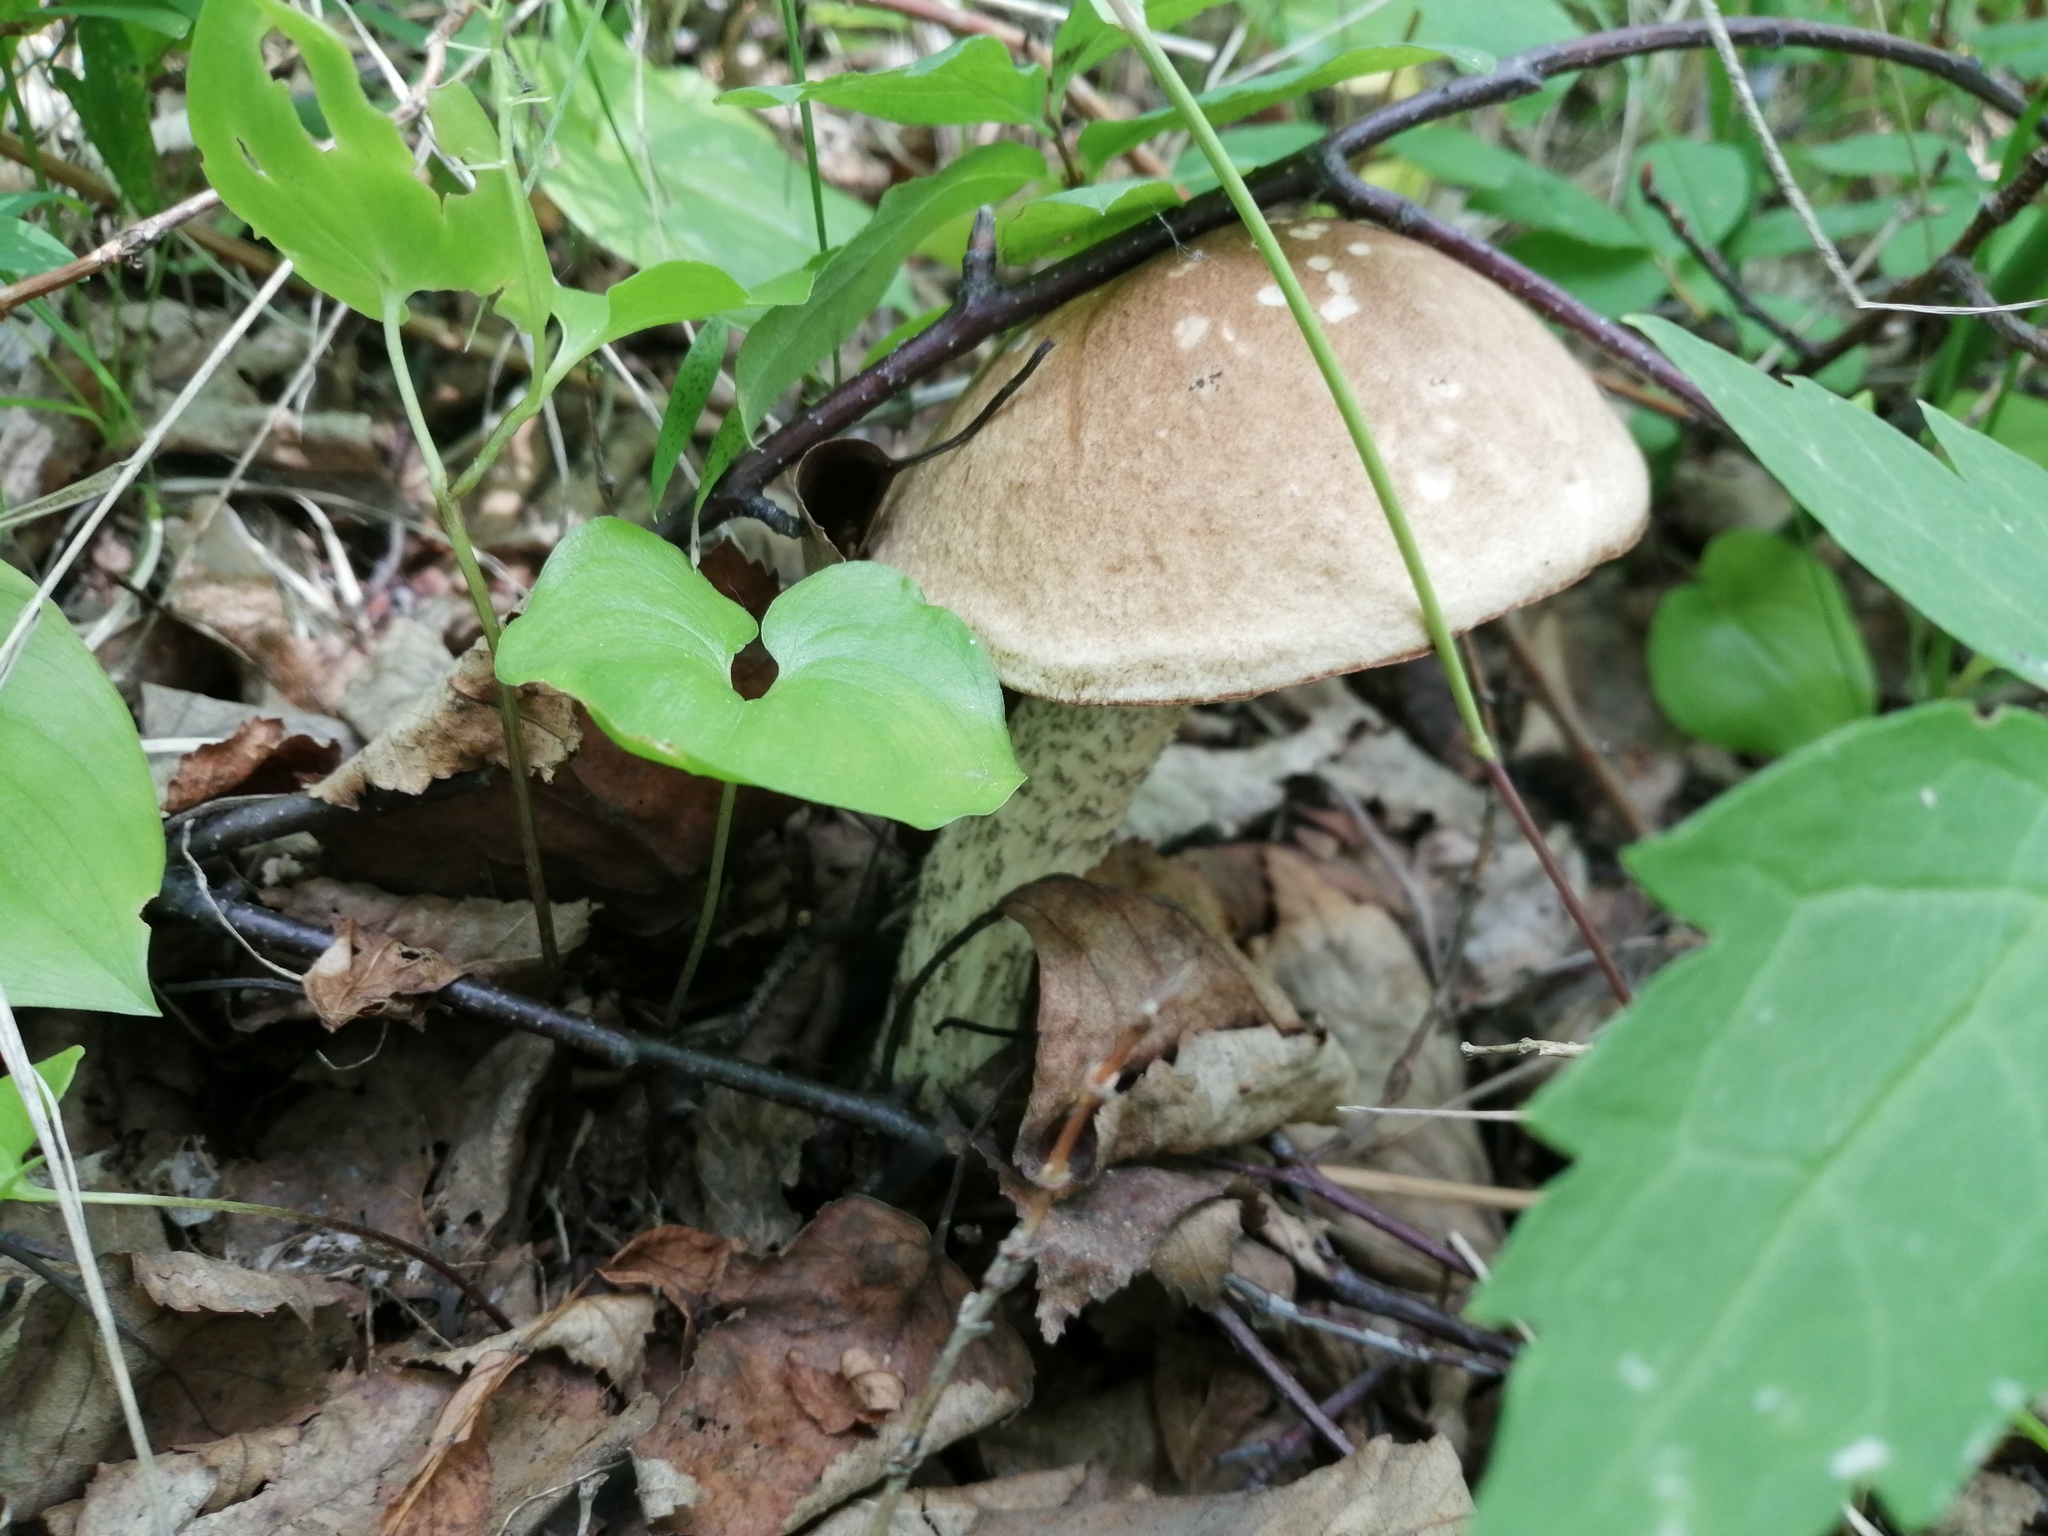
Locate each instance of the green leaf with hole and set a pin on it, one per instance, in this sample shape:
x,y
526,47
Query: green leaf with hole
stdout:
x,y
1103,141
17,1131
883,703
687,399
1798,1255
971,82
788,341
1966,545
1759,654
354,217
81,844
112,102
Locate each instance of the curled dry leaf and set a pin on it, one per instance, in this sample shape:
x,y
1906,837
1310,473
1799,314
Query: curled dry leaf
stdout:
x,y
1384,1489
1221,1058
1103,1236
494,939
454,729
774,1423
261,758
371,974
682,1263
192,1282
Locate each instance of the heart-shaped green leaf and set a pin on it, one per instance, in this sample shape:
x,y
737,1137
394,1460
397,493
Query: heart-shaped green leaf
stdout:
x,y
81,844
354,217
883,703
17,1133
1760,654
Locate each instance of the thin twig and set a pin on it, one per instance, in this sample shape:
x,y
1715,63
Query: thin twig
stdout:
x,y
1253,1348
1373,1338
1313,1180
1370,1295
1717,265
2009,328
1526,1047
1557,699
1275,1451
128,244
1497,772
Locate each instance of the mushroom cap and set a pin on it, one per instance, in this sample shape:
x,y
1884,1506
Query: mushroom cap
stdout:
x,y
1171,511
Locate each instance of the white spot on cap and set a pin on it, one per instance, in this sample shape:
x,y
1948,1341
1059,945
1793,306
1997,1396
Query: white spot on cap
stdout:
x,y
1320,263
1315,229
1433,482
1359,248
1859,1458
1272,297
1190,329
1637,1374
1338,282
1446,389
1342,307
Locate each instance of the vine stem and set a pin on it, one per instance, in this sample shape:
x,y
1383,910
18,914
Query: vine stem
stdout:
x,y
713,877
452,524
1312,332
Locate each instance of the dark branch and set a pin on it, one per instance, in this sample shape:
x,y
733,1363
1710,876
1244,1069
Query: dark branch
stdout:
x,y
1718,268
2008,327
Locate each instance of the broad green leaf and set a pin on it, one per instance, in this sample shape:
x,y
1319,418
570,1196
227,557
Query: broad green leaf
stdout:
x,y
971,82
787,341
1906,157
1065,221
882,702
2020,46
1249,147
662,295
1104,140
27,249
1781,232
1760,654
686,401
17,1131
81,844
2018,421
645,165
1799,1252
1614,282
357,220
1490,26
112,102
1085,39
1708,183
1503,183
172,20
1967,546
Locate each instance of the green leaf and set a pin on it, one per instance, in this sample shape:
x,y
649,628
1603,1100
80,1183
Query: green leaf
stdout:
x,y
727,443
1906,157
1249,147
17,1131
971,82
1967,546
663,295
1781,232
354,217
1708,183
27,249
112,102
1084,39
1799,1253
81,844
646,166
1760,654
172,20
2018,421
1614,282
687,399
1066,221
1505,184
1102,141
882,704
788,341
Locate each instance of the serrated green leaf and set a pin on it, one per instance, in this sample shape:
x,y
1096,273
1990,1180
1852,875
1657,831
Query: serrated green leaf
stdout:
x,y
788,341
1759,654
971,82
1104,140
686,401
81,844
112,102
354,217
1708,183
1080,216
1505,184
882,702
1967,546
1799,1252
17,1132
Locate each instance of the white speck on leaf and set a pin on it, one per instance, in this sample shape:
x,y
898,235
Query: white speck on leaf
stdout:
x,y
1859,1458
2008,1394
1637,1374
1928,797
1768,1399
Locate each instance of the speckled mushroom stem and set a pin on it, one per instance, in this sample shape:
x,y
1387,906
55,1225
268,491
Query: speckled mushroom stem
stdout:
x,y
1083,764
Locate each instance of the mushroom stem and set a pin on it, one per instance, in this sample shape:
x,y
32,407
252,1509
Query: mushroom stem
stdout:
x,y
1083,763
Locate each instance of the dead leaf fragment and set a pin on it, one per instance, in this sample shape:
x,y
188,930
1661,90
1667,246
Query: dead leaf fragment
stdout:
x,y
498,940
1100,1238
682,1263
192,1282
261,758
369,973
1991,1504
453,729
748,1425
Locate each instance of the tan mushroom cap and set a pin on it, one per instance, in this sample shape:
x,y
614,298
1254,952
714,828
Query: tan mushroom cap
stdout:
x,y
1171,511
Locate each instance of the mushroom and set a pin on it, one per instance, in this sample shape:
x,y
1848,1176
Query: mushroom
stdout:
x,y
1172,513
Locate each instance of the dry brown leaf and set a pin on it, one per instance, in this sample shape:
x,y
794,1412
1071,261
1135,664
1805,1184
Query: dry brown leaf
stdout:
x,y
407,662
192,1282
606,1332
682,1263
454,729
369,973
495,1102
449,1493
1224,1087
942,1511
748,1151
861,1276
1207,1400
1195,1253
1104,954
1992,1504
495,939
261,758
1095,1242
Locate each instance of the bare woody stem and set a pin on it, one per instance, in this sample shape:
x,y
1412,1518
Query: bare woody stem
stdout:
x,y
450,513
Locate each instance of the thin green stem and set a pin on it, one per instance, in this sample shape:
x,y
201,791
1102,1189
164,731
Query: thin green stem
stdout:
x,y
792,30
712,879
480,595
1318,340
